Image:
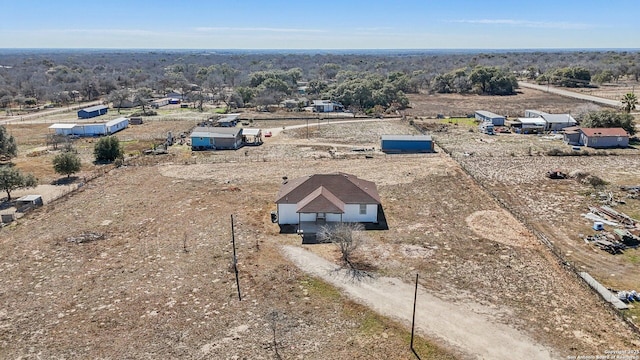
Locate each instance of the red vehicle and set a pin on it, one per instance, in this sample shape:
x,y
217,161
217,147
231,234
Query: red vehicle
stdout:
x,y
267,134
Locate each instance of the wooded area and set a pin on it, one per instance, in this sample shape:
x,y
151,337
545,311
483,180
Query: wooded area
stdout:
x,y
359,80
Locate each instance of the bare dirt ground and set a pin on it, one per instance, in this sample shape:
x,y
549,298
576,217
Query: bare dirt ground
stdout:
x,y
136,264
465,326
456,105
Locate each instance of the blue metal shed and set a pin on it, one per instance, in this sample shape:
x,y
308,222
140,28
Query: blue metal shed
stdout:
x,y
407,143
204,138
92,111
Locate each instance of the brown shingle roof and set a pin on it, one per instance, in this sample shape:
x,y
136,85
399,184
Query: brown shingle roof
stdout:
x,y
603,132
321,200
348,188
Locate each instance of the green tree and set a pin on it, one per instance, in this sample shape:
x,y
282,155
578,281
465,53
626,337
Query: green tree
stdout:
x,y
493,81
629,102
66,163
108,149
567,77
8,145
609,119
12,179
246,93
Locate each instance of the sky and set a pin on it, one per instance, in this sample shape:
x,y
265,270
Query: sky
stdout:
x,y
331,24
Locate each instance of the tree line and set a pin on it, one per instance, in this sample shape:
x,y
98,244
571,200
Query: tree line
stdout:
x,y
243,78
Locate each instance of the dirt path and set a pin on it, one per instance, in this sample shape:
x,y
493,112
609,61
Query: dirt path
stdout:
x,y
575,95
468,327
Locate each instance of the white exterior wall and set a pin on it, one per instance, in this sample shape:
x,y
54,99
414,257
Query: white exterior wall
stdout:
x,y
352,213
118,126
91,129
287,214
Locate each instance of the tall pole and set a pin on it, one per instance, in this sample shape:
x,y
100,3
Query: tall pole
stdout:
x,y
413,318
307,128
235,259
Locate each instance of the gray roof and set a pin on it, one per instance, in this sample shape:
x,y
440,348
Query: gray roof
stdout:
x,y
489,114
407,137
95,108
250,131
558,118
215,132
30,198
62,126
532,121
116,121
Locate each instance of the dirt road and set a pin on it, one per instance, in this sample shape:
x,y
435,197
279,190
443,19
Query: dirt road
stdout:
x,y
40,117
468,327
575,95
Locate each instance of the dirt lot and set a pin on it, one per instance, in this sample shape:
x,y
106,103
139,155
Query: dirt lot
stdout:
x,y
455,105
136,264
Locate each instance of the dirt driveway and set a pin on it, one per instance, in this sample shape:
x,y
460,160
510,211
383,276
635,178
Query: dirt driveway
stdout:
x,y
466,326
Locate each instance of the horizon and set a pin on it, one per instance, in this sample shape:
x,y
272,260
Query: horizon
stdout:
x,y
331,26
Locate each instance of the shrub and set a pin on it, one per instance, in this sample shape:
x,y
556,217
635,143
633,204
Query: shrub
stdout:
x,y
66,163
108,149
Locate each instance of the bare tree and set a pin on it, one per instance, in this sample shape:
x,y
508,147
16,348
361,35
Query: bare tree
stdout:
x,y
348,237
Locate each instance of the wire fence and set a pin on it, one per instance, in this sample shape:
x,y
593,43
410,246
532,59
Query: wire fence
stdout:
x,y
544,240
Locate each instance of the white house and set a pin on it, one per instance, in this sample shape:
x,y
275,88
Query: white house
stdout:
x,y
323,198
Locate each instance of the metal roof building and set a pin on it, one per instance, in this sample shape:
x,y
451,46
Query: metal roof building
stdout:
x,y
487,116
92,111
406,143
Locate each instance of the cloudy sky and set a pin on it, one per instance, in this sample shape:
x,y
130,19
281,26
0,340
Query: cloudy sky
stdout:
x,y
346,24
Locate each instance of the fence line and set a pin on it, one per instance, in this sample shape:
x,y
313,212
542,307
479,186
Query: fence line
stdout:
x,y
570,268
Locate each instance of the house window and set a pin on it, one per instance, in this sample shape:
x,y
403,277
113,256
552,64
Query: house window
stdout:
x,y
363,209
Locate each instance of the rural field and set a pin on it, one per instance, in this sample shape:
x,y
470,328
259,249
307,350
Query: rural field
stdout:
x,y
137,262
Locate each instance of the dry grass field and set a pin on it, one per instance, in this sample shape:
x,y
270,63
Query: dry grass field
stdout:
x,y
137,263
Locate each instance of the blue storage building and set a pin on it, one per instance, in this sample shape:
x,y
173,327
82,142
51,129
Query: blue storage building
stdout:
x,y
216,138
407,143
92,111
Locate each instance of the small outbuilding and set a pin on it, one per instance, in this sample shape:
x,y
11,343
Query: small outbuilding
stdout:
x,y
216,138
487,116
28,202
158,103
251,136
599,138
406,143
92,111
228,121
529,125
326,106
572,135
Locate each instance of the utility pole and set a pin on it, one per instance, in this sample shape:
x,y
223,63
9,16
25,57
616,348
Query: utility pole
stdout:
x,y
235,259
413,319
